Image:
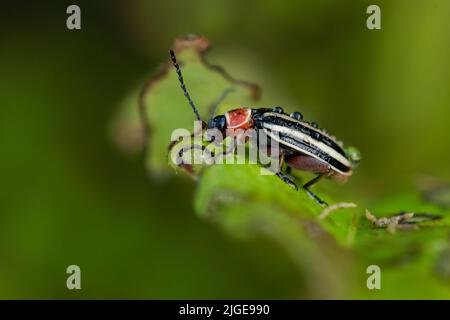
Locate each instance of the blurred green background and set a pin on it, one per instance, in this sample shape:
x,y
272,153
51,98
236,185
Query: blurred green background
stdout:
x,y
68,196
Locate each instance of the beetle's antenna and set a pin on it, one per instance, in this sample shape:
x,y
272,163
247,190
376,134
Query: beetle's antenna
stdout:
x,y
182,85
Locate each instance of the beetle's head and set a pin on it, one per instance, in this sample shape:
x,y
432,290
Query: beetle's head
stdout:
x,y
218,122
353,155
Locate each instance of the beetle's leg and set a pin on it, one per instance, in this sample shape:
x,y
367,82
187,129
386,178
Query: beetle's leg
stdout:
x,y
310,193
180,163
288,170
228,151
287,180
219,100
281,163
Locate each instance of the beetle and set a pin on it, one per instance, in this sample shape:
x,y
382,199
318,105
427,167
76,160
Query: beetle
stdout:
x,y
303,145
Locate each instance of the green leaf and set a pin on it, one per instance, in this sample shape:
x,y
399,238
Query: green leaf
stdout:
x,y
333,253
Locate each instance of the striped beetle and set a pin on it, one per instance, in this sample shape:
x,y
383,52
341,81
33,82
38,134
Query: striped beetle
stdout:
x,y
303,146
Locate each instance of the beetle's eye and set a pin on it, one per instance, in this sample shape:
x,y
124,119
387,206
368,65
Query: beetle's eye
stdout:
x,y
297,115
218,122
278,110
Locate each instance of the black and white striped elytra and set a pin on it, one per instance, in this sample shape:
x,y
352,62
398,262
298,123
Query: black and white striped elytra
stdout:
x,y
299,136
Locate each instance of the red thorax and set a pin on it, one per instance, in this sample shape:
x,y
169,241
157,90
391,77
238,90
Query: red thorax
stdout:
x,y
239,119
